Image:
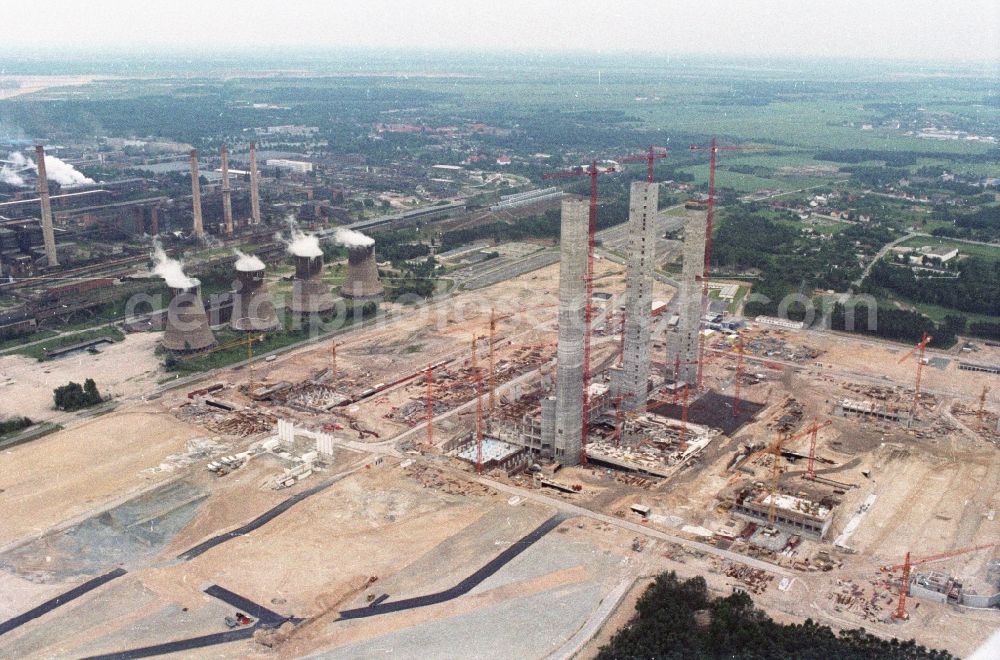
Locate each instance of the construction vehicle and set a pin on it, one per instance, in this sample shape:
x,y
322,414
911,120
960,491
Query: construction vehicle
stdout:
x,y
238,621
904,584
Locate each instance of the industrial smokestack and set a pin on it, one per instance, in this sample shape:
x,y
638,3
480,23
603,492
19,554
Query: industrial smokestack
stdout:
x,y
568,408
252,306
227,200
48,233
199,229
187,326
310,295
254,190
362,274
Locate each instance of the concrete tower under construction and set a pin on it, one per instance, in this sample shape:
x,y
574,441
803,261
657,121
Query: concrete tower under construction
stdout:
x,y
633,378
568,406
683,343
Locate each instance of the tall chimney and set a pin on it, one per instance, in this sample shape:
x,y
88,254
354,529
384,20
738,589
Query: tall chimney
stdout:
x,y
227,200
48,233
254,190
199,228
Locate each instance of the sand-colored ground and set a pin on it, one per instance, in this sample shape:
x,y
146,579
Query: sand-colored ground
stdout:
x,y
61,476
126,369
31,84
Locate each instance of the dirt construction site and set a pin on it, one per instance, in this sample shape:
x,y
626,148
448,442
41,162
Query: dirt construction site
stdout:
x,y
299,505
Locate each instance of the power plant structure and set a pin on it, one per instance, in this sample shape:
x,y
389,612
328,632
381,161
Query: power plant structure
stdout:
x,y
48,231
199,228
631,382
310,294
683,344
362,281
186,327
562,416
253,309
227,194
254,186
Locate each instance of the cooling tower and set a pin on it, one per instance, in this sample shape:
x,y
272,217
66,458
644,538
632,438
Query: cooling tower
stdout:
x,y
252,306
187,322
362,274
310,295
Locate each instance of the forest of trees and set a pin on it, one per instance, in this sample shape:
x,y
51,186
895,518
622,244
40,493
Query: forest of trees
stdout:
x,y
678,619
896,324
976,290
789,263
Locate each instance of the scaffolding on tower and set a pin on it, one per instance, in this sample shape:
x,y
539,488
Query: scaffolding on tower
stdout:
x,y
593,172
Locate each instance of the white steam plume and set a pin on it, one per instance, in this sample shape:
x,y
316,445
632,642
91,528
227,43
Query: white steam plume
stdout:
x,y
63,173
248,262
171,270
298,242
350,238
10,172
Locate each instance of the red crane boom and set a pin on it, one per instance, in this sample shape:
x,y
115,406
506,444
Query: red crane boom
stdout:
x,y
919,348
649,158
713,149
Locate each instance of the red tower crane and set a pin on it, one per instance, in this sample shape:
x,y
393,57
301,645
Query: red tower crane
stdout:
x,y
904,585
593,172
919,349
430,404
713,148
739,374
813,431
649,157
621,340
478,377
982,409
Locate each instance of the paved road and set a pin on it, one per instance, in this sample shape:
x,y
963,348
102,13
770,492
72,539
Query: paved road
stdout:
x,y
181,645
262,519
466,585
60,600
878,257
575,510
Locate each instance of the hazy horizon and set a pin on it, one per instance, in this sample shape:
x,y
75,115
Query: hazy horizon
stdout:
x,y
895,30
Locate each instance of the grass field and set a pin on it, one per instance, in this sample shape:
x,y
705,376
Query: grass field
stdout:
x,y
40,351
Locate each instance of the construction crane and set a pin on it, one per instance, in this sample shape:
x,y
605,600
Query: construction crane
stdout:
x,y
713,148
247,341
618,420
492,338
621,340
478,377
593,172
813,432
739,375
982,409
649,157
430,405
775,451
492,375
919,350
908,564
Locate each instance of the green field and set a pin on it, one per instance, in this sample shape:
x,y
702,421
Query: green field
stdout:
x,y
40,351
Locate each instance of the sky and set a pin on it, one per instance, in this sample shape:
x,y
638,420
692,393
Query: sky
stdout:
x,y
935,30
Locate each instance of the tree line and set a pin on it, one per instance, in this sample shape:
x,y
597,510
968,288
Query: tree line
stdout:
x,y
678,619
